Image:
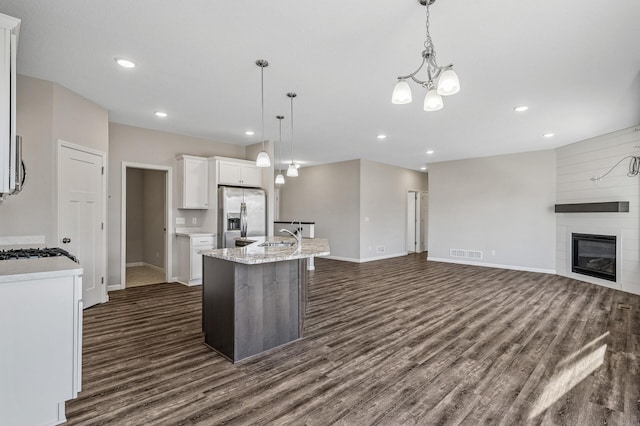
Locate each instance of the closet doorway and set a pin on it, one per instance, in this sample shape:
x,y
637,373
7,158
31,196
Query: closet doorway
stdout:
x,y
146,252
417,221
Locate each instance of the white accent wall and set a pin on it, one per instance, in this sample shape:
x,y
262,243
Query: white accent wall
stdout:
x,y
502,206
577,164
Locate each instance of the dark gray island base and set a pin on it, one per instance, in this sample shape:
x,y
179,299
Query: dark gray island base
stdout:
x,y
249,309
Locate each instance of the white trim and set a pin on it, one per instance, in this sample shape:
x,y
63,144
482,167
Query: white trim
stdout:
x,y
365,260
105,162
168,186
494,265
115,287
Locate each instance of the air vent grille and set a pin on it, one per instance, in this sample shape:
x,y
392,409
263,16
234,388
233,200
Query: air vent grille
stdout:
x,y
466,254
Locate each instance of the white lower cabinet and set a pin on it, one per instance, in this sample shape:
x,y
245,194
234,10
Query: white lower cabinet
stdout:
x,y
41,340
190,264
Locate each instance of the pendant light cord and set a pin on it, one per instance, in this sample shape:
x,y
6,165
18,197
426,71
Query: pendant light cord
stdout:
x,y
292,130
262,101
280,144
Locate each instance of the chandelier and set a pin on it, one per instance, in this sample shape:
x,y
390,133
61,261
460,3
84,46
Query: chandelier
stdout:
x,y
441,81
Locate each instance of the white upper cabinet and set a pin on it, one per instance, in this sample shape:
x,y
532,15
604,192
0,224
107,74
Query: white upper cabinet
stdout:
x,y
9,28
193,173
239,173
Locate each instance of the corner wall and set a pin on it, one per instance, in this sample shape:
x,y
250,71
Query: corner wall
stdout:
x,y
46,113
502,204
577,164
383,208
330,196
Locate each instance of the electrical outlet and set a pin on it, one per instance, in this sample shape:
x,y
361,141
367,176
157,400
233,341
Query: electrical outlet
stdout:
x,y
158,254
493,252
194,220
180,221
380,249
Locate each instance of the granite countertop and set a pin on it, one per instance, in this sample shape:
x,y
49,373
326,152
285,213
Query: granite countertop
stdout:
x,y
254,254
32,269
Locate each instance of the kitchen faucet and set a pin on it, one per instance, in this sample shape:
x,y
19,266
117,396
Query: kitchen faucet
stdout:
x,y
297,235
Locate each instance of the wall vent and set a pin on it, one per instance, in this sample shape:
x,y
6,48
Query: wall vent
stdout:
x,y
380,249
466,254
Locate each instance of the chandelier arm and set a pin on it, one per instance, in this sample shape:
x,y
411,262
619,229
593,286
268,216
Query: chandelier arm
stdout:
x,y
412,75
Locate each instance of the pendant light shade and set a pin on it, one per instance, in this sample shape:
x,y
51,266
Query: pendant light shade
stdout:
x,y
448,84
292,171
401,93
263,159
280,179
433,101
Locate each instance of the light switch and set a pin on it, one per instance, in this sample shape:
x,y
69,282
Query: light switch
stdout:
x,y
180,221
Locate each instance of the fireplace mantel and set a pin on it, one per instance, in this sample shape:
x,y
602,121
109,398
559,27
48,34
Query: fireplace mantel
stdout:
x,y
606,207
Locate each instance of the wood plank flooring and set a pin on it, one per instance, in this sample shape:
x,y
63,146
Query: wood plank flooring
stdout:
x,y
394,342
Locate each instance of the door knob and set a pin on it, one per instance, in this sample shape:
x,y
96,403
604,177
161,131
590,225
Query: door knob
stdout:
x,y
66,240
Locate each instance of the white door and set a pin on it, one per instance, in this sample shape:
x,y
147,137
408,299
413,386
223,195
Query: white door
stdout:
x,y
80,216
411,222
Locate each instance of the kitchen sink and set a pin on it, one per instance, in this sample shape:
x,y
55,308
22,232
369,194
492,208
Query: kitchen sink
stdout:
x,y
276,244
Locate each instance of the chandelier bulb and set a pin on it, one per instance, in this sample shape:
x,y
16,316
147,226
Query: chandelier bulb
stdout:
x,y
448,83
401,93
433,101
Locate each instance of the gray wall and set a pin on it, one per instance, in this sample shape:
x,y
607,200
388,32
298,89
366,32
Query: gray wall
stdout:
x,y
502,203
154,217
134,144
330,196
358,205
383,207
47,112
135,216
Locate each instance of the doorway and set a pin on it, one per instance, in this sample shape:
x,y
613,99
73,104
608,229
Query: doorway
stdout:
x,y
146,243
417,221
81,215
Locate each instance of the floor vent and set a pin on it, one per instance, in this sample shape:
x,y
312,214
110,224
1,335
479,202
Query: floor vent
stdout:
x,y
624,306
466,254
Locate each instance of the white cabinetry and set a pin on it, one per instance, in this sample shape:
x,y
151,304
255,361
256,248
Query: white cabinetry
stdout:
x,y
41,335
9,28
239,173
190,272
193,174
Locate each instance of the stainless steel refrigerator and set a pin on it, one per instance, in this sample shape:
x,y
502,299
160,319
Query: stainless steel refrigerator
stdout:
x,y
230,220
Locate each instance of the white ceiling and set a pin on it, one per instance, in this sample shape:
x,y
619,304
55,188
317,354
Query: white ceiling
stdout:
x,y
575,63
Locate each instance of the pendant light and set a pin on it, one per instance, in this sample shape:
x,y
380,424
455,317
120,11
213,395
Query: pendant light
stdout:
x,y
292,170
263,159
441,81
280,177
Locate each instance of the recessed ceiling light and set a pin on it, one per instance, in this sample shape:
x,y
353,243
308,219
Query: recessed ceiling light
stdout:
x,y
125,63
381,137
430,152
249,133
521,108
161,114
549,135
423,168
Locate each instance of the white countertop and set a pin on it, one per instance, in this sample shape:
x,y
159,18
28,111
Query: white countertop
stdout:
x,y
254,254
194,232
33,269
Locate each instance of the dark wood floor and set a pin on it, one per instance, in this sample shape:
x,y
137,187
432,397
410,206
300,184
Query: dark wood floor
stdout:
x,y
398,341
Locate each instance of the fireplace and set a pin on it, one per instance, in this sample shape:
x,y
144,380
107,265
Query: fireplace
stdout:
x,y
594,255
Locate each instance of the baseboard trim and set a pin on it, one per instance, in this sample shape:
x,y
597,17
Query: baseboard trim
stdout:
x,y
494,265
148,265
366,259
114,287
134,264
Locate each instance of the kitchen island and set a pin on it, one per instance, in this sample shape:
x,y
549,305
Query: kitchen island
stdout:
x,y
254,297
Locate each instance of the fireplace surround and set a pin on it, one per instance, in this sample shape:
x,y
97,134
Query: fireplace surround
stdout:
x,y
594,255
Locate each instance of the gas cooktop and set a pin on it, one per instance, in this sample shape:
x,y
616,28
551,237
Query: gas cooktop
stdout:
x,y
33,253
